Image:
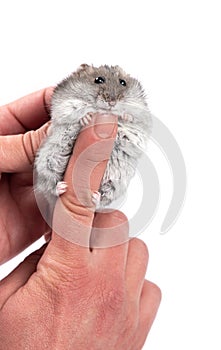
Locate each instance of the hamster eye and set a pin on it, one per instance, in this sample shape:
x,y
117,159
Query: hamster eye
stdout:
x,y
99,80
122,82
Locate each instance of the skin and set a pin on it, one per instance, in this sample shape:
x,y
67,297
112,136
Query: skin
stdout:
x,y
20,220
66,296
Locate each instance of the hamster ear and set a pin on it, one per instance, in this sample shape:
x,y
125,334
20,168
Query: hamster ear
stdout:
x,y
84,67
118,70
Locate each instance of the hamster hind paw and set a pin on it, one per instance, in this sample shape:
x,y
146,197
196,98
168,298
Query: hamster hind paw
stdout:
x,y
96,198
61,188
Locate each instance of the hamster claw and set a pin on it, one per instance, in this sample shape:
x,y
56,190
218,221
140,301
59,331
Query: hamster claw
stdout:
x,y
96,198
127,117
61,188
86,119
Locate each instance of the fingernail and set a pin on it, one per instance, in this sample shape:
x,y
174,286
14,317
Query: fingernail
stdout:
x,y
48,129
105,125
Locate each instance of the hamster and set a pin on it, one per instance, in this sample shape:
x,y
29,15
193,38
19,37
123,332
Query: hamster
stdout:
x,y
104,89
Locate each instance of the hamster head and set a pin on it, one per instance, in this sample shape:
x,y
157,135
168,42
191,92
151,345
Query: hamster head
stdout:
x,y
103,88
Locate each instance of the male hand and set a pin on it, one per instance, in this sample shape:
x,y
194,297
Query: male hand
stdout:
x,y
20,220
68,296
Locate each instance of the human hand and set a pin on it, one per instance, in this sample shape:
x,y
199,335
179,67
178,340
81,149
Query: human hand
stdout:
x,y
75,297
20,221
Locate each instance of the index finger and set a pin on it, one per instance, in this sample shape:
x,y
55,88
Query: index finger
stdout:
x,y
26,113
73,214
74,211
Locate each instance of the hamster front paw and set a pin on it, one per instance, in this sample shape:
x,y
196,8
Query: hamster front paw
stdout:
x,y
61,188
86,119
127,117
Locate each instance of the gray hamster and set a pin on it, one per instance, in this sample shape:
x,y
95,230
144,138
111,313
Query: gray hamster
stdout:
x,y
106,89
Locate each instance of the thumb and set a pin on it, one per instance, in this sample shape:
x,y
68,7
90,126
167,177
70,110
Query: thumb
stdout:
x,y
17,152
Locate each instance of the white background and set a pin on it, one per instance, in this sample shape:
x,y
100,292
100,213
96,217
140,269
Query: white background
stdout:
x,y
173,47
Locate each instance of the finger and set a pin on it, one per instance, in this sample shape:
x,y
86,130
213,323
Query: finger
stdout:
x,y
110,232
137,260
17,152
74,210
87,165
69,262
149,304
20,275
27,113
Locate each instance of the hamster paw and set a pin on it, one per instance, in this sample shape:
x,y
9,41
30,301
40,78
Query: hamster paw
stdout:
x,y
61,188
127,117
86,119
96,198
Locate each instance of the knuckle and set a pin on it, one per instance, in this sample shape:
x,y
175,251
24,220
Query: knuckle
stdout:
x,y
131,322
63,279
109,309
156,291
115,298
120,223
141,247
119,216
112,296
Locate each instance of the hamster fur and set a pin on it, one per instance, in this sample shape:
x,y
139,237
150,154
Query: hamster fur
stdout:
x,y
106,89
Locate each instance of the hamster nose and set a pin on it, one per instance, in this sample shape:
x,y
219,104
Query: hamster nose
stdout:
x,y
110,99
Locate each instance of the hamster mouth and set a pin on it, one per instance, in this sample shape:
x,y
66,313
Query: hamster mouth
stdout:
x,y
111,108
101,103
112,103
